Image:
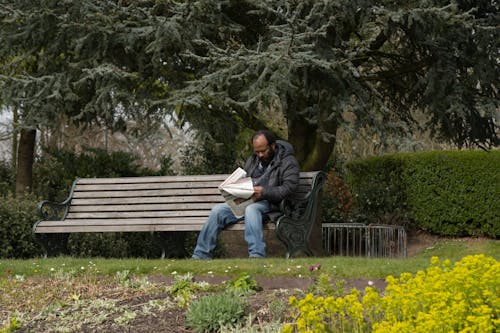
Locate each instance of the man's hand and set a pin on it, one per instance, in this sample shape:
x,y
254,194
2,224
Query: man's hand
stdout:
x,y
257,193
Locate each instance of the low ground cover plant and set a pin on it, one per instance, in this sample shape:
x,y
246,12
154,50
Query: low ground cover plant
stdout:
x,y
463,297
211,312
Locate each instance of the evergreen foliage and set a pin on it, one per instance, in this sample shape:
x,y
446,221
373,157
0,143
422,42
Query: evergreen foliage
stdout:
x,y
6,178
85,59
378,60
454,193
17,216
228,65
56,170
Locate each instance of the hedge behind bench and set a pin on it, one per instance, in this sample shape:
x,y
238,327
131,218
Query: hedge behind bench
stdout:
x,y
455,193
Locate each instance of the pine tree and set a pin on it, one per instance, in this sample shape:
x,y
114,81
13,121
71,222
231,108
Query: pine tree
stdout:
x,y
378,60
297,67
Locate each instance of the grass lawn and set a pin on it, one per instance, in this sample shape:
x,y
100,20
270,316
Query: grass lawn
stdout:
x,y
340,267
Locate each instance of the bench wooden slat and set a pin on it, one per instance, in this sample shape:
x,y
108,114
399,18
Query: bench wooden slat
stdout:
x,y
153,186
131,226
142,228
148,200
153,179
160,179
121,228
145,186
69,223
144,214
155,193
141,207
145,193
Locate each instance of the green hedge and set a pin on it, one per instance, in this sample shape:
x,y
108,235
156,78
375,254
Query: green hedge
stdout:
x,y
17,217
6,178
455,193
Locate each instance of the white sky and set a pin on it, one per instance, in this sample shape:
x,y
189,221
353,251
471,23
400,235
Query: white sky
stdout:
x,y
5,140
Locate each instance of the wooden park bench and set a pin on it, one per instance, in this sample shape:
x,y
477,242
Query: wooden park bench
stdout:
x,y
164,204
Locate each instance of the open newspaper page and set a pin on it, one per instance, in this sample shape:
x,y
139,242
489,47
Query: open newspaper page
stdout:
x,y
237,190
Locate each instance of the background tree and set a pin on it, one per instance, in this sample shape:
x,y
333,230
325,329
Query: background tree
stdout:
x,y
85,61
319,61
301,68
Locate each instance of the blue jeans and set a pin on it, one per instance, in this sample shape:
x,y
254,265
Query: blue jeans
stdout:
x,y
221,216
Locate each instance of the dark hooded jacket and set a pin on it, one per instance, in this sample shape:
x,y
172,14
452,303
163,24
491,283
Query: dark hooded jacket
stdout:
x,y
283,171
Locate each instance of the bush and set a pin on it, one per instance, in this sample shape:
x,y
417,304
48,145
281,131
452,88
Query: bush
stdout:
x,y
54,174
6,178
451,193
337,202
454,193
443,298
17,216
211,312
378,189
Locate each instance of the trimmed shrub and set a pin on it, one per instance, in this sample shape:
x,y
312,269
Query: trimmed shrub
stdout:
x,y
454,193
17,216
378,189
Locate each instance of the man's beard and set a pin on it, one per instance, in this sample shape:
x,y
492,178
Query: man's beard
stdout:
x,y
266,161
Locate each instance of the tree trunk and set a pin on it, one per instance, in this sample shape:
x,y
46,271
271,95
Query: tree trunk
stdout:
x,y
311,150
25,156
15,122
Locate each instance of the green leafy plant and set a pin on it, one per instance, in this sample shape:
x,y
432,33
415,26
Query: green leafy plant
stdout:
x,y
211,312
243,285
249,327
184,289
12,326
323,286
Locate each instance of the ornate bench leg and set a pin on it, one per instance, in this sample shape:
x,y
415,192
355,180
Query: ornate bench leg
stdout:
x,y
53,244
171,243
294,236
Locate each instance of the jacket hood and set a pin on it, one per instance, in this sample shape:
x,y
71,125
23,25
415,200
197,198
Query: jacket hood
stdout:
x,y
284,148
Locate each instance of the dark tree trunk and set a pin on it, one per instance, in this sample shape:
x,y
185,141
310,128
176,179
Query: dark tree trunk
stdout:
x,y
15,122
25,156
311,150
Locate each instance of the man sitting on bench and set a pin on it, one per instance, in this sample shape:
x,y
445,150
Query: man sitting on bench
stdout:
x,y
275,174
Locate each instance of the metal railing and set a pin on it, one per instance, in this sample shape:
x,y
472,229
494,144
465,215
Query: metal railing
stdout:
x,y
357,239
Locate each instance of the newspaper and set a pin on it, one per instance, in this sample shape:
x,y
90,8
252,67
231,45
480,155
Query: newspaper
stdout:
x,y
237,190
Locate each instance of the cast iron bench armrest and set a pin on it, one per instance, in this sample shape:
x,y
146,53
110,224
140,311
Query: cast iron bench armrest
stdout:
x,y
294,208
49,210
299,216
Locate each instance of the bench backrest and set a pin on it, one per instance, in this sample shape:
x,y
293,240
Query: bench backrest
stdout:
x,y
183,202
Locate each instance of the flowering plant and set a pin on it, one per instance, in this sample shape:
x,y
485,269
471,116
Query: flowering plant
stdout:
x,y
464,297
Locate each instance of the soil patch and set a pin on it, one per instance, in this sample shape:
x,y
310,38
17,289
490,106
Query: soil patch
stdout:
x,y
120,310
